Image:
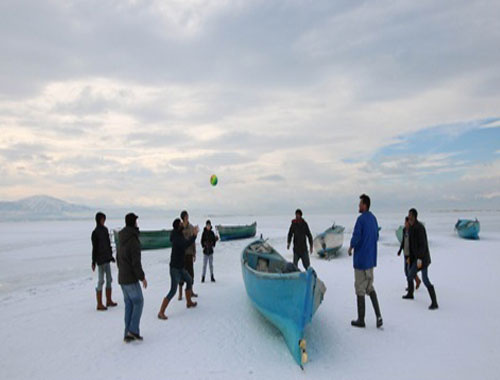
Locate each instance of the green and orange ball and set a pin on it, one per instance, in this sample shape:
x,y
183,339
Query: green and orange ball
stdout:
x,y
214,180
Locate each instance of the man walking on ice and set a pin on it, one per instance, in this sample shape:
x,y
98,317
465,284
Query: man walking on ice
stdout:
x,y
364,243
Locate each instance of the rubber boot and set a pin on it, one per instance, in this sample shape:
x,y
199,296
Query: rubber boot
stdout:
x,y
163,307
189,303
180,292
100,305
212,278
409,295
432,293
376,307
109,301
360,322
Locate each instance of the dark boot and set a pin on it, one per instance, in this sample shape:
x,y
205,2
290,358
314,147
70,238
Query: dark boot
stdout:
x,y
409,295
203,279
163,307
432,293
180,292
373,297
360,322
212,278
189,303
100,305
109,301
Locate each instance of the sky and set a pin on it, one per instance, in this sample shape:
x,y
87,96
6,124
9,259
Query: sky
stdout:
x,y
290,103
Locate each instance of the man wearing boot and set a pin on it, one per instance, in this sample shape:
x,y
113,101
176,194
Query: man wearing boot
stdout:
x,y
102,256
299,231
177,266
190,256
364,243
405,247
208,241
129,274
420,258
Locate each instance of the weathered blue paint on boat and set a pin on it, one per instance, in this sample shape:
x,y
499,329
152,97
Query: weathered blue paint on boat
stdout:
x,y
237,232
287,300
468,229
328,243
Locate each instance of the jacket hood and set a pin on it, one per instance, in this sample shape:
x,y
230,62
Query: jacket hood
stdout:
x,y
128,233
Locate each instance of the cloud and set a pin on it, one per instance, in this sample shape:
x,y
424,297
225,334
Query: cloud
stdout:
x,y
140,101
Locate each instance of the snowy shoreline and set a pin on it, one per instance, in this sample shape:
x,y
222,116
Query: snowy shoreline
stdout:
x,y
52,330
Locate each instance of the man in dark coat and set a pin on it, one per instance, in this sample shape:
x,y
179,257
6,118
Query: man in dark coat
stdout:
x,y
102,256
129,274
299,231
364,243
420,258
208,241
178,271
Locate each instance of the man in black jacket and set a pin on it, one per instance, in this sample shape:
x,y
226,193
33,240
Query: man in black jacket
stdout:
x,y
102,256
208,241
178,271
129,274
299,231
420,258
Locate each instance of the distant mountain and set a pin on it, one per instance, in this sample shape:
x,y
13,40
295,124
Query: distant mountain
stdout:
x,y
41,207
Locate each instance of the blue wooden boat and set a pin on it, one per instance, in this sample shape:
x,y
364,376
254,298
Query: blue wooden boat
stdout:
x,y
236,232
399,233
285,296
468,229
328,243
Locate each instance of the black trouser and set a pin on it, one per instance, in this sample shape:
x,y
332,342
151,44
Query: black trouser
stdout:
x,y
302,256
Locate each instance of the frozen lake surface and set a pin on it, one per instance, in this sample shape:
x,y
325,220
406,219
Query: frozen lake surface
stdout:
x,y
50,329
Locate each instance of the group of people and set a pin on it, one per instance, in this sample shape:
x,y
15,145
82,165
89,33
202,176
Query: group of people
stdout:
x,y
131,273
363,247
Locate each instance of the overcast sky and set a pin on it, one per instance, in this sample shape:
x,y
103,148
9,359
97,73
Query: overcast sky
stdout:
x,y
291,103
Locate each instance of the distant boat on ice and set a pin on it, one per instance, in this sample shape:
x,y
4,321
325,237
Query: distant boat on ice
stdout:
x,y
328,243
468,229
150,239
237,232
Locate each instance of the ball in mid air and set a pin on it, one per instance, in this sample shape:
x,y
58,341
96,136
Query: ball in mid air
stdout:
x,y
213,180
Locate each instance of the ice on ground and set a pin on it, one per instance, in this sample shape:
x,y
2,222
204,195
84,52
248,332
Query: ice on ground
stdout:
x,y
50,329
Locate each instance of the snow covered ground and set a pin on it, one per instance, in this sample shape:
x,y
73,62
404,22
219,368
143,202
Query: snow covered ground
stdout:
x,y
50,329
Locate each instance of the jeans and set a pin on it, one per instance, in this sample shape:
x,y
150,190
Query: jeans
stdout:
x,y
406,265
412,272
302,256
189,267
210,260
134,302
101,270
176,276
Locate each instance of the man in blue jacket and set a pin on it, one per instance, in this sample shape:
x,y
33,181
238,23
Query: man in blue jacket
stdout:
x,y
364,243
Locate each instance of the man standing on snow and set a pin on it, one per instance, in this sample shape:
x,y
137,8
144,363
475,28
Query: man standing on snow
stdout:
x,y
420,258
129,274
190,256
364,243
299,230
102,256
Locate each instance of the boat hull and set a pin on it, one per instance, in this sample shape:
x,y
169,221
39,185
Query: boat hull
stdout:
x,y
399,234
328,243
158,239
287,300
236,232
468,229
